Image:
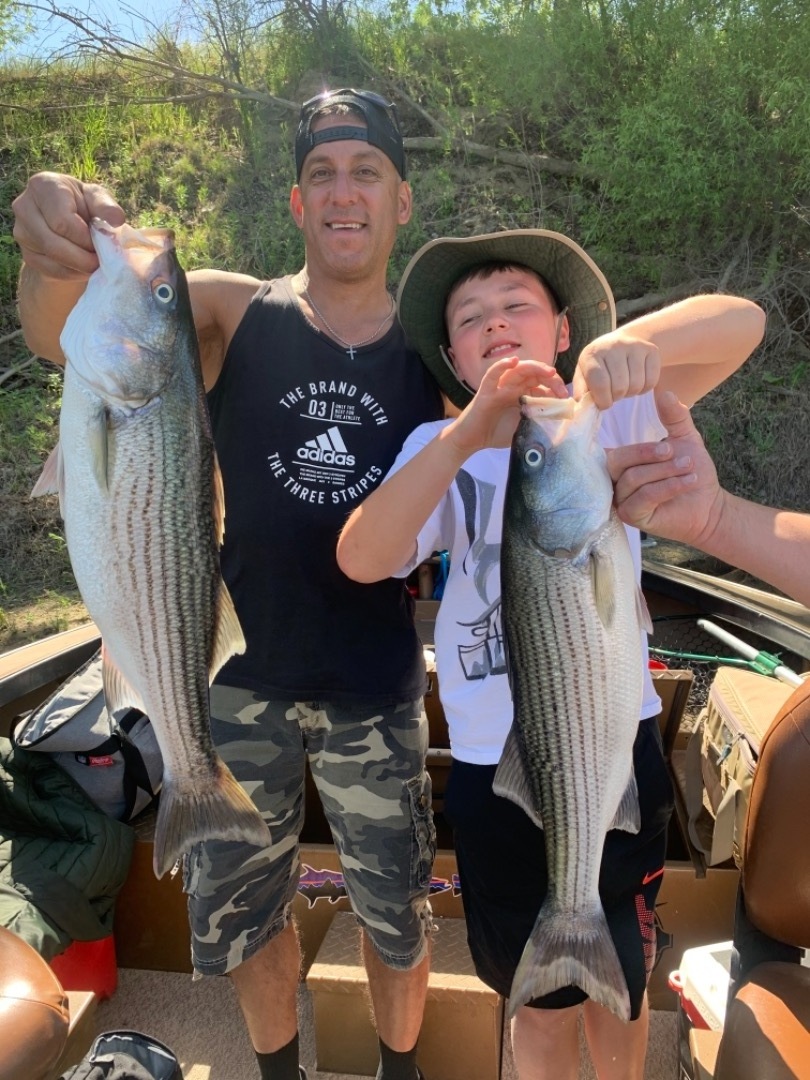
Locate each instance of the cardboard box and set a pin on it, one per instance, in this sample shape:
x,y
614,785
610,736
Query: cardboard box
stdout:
x,y
673,687
691,911
322,895
151,922
151,916
462,1030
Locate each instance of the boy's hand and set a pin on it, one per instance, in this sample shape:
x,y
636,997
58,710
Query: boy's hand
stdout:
x,y
492,416
52,217
668,488
612,368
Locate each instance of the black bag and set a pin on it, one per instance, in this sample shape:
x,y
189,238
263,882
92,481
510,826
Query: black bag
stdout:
x,y
115,759
126,1055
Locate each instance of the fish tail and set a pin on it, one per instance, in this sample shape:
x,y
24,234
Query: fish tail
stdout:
x,y
565,951
222,810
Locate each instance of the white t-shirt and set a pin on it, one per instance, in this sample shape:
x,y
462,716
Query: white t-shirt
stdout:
x,y
473,683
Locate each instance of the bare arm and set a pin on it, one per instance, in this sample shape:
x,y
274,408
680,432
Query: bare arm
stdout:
x,y
218,303
771,544
52,229
671,489
689,348
380,535
51,226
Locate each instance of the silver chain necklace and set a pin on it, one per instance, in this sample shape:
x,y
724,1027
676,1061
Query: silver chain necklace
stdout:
x,y
350,349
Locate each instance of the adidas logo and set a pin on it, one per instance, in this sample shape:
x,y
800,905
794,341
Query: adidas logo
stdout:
x,y
327,449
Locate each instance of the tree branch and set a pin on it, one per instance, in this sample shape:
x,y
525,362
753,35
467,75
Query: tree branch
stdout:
x,y
509,157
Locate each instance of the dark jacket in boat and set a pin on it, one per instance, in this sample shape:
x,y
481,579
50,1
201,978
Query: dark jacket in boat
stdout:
x,y
62,860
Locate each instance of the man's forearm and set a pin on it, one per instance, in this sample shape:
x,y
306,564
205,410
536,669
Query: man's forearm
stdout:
x,y
773,545
44,304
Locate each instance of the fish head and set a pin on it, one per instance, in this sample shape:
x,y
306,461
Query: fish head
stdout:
x,y
122,335
559,491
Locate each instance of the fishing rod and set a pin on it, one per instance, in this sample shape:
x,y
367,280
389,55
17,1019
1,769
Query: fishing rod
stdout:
x,y
763,662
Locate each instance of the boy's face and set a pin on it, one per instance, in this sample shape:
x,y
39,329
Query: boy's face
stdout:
x,y
508,313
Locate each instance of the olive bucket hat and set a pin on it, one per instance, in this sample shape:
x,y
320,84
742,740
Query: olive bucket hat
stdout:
x,y
572,275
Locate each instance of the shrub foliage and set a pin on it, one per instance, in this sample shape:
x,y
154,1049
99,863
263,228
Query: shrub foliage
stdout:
x,y
669,137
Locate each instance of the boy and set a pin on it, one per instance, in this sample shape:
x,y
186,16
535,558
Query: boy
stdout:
x,y
490,316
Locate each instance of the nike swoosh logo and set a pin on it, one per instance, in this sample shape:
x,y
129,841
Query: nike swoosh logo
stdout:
x,y
651,877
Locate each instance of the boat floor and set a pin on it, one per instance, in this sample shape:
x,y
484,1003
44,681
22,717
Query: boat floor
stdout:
x,y
173,1008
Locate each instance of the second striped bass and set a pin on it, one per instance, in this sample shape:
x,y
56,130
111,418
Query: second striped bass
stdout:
x,y
142,501
572,616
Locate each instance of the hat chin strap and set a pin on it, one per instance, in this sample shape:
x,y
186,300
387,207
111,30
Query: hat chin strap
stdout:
x,y
453,371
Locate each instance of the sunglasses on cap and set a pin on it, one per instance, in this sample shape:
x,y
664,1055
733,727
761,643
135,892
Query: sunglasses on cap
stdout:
x,y
314,104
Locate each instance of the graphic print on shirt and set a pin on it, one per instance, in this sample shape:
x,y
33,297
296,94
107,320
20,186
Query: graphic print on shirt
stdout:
x,y
483,654
325,463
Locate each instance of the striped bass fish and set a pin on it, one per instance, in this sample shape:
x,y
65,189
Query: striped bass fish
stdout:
x,y
143,506
572,616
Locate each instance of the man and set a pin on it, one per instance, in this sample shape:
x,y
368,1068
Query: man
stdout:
x,y
671,489
312,391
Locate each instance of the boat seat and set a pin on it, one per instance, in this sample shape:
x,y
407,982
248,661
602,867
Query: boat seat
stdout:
x,y
767,1024
43,1029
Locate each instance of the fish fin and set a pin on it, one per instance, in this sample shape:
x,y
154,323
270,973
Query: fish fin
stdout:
x,y
567,949
228,636
218,502
512,778
603,579
628,814
97,445
118,693
52,478
221,810
642,611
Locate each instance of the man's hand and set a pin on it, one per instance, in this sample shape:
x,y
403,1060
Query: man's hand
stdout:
x,y
614,367
668,488
52,218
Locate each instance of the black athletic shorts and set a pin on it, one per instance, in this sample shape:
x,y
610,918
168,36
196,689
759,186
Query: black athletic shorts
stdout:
x,y
502,867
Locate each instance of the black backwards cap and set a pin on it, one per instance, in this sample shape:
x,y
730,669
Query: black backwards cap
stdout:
x,y
381,130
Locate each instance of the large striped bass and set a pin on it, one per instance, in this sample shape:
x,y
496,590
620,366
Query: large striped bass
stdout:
x,y
572,615
142,501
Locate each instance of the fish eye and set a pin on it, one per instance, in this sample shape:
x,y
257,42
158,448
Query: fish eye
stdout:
x,y
534,457
163,292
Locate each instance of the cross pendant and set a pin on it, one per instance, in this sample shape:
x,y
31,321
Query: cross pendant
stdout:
x,y
350,351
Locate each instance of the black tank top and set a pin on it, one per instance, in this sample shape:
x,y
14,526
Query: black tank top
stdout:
x,y
304,432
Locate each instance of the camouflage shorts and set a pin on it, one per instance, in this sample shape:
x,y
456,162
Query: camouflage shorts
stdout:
x,y
368,767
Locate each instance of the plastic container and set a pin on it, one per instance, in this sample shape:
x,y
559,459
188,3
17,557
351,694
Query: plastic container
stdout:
x,y
657,665
702,984
88,965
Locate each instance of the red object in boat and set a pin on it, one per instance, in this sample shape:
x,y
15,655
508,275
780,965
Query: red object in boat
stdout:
x,y
88,965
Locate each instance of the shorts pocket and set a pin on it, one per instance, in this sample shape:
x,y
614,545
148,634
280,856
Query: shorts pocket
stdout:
x,y
423,848
192,864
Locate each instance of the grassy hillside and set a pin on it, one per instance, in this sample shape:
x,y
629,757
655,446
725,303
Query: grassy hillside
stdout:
x,y
668,138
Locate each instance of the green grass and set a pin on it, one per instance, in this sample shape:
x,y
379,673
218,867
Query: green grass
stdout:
x,y
659,109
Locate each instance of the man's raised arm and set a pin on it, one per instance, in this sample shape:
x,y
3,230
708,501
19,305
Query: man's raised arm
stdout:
x,y
51,226
671,489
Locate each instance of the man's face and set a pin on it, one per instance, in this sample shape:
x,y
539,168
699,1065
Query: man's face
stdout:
x,y
349,204
508,313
